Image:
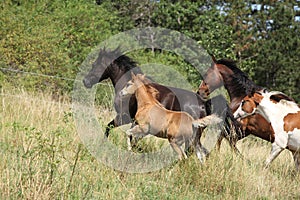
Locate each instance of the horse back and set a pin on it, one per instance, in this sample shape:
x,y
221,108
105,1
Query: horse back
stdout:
x,y
177,99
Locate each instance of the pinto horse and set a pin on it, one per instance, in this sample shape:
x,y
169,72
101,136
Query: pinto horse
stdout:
x,y
117,67
238,85
152,118
284,116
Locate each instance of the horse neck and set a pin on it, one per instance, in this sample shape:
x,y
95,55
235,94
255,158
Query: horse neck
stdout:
x,y
236,89
119,78
143,96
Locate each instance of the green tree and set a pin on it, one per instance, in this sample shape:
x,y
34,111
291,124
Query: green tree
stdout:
x,y
276,48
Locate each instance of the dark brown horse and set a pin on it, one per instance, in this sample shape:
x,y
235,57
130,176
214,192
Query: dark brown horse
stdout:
x,y
119,72
118,68
238,85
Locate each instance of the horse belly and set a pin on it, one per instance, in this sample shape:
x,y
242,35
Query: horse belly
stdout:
x,y
158,121
294,140
258,126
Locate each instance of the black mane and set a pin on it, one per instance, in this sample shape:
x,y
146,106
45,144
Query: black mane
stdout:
x,y
241,82
124,62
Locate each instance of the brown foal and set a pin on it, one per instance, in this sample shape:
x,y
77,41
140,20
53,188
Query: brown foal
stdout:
x,y
152,118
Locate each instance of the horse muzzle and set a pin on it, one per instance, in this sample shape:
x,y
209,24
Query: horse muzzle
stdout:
x,y
123,93
87,83
204,95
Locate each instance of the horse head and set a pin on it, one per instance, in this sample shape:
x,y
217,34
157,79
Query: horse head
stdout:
x,y
113,65
133,84
211,80
248,106
101,67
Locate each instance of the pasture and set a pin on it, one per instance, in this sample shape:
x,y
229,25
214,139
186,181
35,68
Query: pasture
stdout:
x,y
43,158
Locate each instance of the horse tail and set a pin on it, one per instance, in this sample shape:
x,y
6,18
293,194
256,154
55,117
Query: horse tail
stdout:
x,y
206,121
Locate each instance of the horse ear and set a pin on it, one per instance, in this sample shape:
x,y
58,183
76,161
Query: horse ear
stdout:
x,y
265,90
257,96
132,75
214,59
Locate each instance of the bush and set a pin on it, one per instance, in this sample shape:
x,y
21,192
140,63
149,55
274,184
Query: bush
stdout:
x,y
50,38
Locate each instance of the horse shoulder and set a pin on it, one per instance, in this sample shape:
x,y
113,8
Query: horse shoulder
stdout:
x,y
292,121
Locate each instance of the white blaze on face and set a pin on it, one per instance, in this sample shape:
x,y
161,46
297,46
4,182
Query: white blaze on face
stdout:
x,y
246,108
128,89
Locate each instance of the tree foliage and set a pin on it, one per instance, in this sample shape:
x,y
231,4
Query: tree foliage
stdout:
x,y
53,37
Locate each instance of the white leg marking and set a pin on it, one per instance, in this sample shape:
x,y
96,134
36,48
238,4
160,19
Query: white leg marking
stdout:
x,y
276,150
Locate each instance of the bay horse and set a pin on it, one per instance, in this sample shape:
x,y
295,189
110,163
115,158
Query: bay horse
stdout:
x,y
152,118
284,116
238,85
117,67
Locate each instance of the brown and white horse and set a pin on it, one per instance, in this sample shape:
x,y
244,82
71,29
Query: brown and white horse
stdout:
x,y
284,116
152,118
225,73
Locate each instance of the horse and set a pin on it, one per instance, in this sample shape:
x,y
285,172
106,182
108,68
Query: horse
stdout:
x,y
117,67
284,116
238,85
152,118
113,65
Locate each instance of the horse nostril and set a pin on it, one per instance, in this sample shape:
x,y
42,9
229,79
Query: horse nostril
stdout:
x,y
203,94
121,93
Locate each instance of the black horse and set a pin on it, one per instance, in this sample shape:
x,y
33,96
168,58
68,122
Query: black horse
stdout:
x,y
118,68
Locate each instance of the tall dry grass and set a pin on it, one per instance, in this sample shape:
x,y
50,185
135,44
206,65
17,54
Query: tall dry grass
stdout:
x,y
43,158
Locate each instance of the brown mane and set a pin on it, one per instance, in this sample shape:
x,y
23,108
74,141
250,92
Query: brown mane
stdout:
x,y
153,91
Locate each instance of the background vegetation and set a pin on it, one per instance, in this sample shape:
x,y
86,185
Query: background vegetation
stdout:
x,y
54,37
43,43
43,158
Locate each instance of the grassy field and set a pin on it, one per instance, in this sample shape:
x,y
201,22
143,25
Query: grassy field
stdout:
x,y
43,158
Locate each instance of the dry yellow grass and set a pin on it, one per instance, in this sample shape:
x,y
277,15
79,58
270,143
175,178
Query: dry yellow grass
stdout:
x,y
43,158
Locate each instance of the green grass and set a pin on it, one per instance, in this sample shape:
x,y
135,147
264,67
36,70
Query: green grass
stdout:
x,y
43,158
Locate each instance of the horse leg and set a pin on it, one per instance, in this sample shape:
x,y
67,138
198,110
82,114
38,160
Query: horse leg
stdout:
x,y
110,126
132,140
177,148
276,150
232,142
188,148
119,120
219,141
296,156
201,152
136,132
